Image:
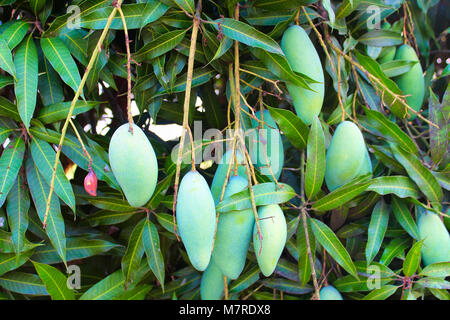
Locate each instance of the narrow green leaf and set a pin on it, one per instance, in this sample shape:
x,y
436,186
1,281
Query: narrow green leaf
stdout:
x,y
404,217
264,193
55,282
17,209
59,111
152,249
248,35
6,61
160,45
304,265
377,228
186,5
402,187
315,160
382,293
436,270
381,38
43,156
24,283
291,125
412,260
153,11
326,237
134,253
60,58
15,33
26,64
393,249
395,68
10,163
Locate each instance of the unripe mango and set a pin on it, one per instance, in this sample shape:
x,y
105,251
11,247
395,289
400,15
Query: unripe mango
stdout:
x,y
221,172
196,218
303,58
347,156
412,83
234,232
266,145
133,163
387,53
211,285
329,293
274,231
436,246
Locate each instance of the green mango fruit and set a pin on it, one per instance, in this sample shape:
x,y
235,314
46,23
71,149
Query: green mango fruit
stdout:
x,y
412,83
329,293
234,233
436,245
266,146
221,173
196,218
347,156
133,163
211,285
303,58
274,231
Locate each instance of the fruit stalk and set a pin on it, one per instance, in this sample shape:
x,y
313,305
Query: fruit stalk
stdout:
x,y
127,45
74,100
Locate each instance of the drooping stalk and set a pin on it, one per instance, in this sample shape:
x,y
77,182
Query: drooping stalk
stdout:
x,y
95,53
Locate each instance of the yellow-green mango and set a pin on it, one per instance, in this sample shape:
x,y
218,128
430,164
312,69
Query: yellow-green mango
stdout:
x,y
274,231
133,163
303,58
221,172
412,83
347,156
234,233
266,144
329,293
196,218
212,285
436,245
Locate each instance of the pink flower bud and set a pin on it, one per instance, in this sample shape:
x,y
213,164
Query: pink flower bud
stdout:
x,y
90,183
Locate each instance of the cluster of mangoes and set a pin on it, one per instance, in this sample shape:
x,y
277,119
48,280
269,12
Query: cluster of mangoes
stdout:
x,y
220,247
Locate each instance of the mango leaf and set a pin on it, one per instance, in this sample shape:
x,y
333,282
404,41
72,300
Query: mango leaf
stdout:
x,y
280,67
315,160
43,156
98,18
382,293
24,283
137,293
292,126
242,32
55,282
10,261
39,190
245,280
340,196
186,5
60,58
424,179
304,264
412,260
401,186
5,81
26,64
264,193
59,111
153,11
381,38
200,76
404,218
15,33
393,249
435,283
4,134
108,203
390,131
288,286
160,45
17,210
76,248
346,8
150,239
37,5
377,228
49,84
436,270
10,162
395,68
6,62
438,137
326,237
133,255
